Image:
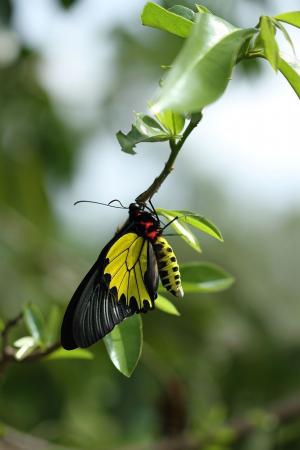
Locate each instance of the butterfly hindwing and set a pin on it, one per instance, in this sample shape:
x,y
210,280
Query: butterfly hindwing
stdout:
x,y
92,312
123,281
131,267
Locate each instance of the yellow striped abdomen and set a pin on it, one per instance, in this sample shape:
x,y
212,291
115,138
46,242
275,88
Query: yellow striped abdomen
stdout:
x,y
168,267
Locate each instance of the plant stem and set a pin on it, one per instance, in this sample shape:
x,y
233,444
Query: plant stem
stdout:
x,y
175,149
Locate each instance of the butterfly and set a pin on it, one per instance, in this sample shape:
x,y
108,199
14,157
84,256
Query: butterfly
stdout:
x,y
123,281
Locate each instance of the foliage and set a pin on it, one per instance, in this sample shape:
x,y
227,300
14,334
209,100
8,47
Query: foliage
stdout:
x,y
198,77
213,46
226,356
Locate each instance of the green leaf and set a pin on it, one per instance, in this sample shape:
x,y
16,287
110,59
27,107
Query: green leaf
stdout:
x,y
285,34
145,129
163,304
155,16
204,277
186,234
193,219
289,66
212,48
267,34
52,328
183,11
203,9
34,322
2,325
293,18
78,353
182,230
26,345
172,121
200,222
124,344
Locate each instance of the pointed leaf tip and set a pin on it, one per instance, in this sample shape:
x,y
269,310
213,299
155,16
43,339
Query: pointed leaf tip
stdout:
x,y
289,66
163,304
292,18
204,277
124,344
156,16
181,228
195,220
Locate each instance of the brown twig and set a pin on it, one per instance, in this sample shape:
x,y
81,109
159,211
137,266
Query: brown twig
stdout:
x,y
6,352
42,353
175,148
7,327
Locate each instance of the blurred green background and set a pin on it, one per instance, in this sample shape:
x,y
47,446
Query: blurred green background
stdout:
x,y
71,73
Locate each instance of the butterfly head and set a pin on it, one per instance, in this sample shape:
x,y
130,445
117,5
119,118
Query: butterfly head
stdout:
x,y
146,222
135,210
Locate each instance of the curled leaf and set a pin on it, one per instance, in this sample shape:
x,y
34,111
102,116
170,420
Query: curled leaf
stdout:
x,y
183,11
145,129
156,16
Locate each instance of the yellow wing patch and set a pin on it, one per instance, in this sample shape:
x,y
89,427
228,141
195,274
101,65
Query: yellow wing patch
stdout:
x,y
127,264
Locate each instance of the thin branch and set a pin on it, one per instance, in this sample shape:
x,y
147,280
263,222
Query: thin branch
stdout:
x,y
175,149
8,355
8,352
7,327
42,353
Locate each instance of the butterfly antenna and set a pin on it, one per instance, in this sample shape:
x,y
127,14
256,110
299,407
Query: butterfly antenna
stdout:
x,y
103,204
154,210
171,221
177,218
117,200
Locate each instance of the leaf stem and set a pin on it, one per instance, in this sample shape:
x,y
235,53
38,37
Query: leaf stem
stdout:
x,y
175,149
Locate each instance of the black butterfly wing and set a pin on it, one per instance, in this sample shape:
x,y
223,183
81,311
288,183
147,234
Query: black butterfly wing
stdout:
x,y
95,307
92,312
